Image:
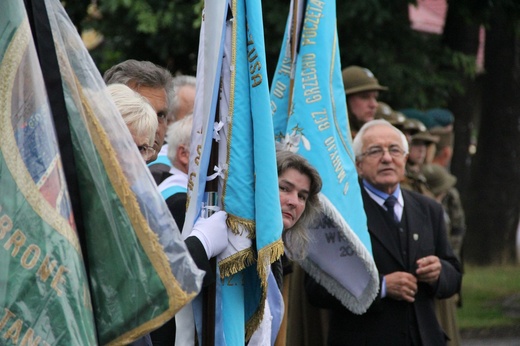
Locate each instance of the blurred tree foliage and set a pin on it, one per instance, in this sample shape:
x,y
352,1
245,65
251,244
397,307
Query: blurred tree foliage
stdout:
x,y
420,71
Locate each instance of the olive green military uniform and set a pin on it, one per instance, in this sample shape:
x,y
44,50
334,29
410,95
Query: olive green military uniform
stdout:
x,y
442,182
415,181
453,206
414,178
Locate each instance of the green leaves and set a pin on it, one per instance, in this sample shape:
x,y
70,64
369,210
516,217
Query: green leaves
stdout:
x,y
417,67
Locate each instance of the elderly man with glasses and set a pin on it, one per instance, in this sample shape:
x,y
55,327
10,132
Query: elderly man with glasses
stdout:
x,y
410,248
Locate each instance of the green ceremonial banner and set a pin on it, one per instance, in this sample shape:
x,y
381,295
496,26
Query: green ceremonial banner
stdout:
x,y
139,270
44,296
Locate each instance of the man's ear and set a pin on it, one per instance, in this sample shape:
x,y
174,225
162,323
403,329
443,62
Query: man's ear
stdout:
x,y
358,167
183,155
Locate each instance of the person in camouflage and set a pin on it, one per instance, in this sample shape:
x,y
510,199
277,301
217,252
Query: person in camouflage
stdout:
x,y
452,201
453,205
414,179
442,183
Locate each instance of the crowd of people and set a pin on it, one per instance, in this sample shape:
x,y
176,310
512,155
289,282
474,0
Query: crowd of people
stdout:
x,y
414,214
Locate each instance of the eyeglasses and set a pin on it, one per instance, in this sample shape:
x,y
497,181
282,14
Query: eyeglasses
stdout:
x,y
146,151
378,152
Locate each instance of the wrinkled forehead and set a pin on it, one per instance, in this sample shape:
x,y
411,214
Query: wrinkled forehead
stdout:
x,y
156,96
381,135
140,139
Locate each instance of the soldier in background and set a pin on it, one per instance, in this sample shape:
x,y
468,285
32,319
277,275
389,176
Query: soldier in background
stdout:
x,y
412,127
362,90
420,142
452,201
441,182
396,118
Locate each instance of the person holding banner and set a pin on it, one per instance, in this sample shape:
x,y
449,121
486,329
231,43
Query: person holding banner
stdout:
x,y
299,184
415,261
362,89
208,237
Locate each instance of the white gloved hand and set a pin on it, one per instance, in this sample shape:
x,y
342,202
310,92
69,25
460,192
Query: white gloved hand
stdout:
x,y
212,233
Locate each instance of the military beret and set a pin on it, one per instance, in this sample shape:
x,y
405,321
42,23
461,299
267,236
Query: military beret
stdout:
x,y
441,116
413,113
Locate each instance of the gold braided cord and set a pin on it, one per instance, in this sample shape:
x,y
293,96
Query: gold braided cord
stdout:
x,y
266,256
231,105
147,238
13,57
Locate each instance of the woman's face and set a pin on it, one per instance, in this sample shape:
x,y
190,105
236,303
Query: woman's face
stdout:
x,y
142,143
294,189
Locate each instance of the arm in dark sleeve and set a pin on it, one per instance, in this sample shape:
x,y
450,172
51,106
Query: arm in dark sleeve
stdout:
x,y
201,259
177,206
165,335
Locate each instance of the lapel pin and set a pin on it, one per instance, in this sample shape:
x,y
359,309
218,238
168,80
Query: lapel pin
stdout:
x,y
415,236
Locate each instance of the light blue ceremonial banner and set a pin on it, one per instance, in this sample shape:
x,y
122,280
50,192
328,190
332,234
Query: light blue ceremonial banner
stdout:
x,y
250,193
314,124
250,186
232,68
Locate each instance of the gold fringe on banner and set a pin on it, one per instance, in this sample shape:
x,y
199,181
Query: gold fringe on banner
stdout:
x,y
238,225
266,256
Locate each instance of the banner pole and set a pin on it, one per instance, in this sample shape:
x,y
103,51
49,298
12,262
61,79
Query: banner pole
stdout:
x,y
209,292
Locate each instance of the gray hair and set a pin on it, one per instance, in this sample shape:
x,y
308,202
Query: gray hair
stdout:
x,y
137,113
179,133
142,73
179,82
357,144
296,238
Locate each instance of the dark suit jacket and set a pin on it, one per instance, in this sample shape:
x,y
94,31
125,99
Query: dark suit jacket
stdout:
x,y
387,321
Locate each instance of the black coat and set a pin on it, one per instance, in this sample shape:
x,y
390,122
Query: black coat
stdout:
x,y
165,335
387,321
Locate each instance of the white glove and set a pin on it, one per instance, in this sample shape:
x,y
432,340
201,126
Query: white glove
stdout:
x,y
212,233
